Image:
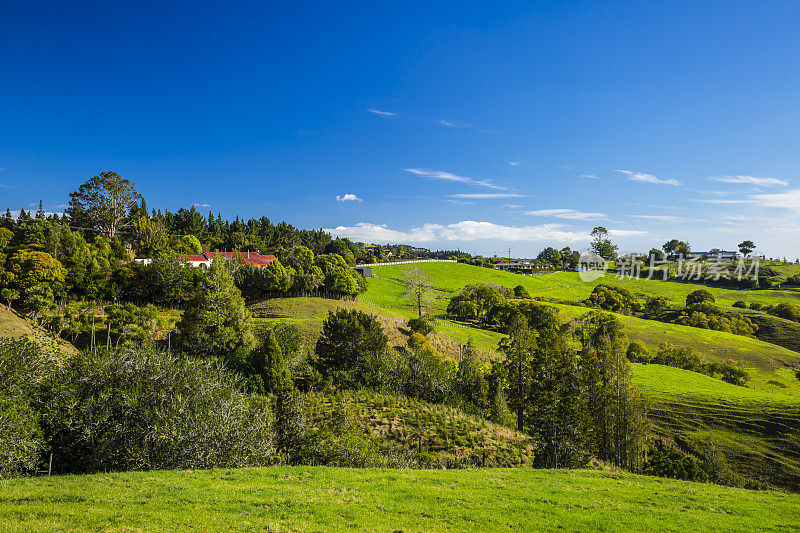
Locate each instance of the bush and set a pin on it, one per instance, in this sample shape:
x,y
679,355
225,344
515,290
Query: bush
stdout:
x,y
679,357
348,337
141,410
613,298
755,306
21,441
785,310
740,304
638,353
521,292
700,296
424,325
665,462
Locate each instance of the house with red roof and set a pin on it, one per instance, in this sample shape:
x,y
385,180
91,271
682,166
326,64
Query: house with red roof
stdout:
x,y
248,258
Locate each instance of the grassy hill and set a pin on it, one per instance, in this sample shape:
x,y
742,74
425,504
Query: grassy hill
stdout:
x,y
755,428
11,325
333,499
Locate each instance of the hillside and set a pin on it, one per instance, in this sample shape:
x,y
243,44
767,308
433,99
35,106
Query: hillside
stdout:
x,y
334,499
755,428
11,325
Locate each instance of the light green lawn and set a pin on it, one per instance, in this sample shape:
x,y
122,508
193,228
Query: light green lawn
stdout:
x,y
334,499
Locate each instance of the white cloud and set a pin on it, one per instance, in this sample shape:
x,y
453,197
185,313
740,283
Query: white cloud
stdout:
x,y
661,218
625,232
512,206
453,124
513,163
752,180
719,201
590,176
349,197
382,113
448,176
202,205
467,230
787,200
487,195
648,178
567,213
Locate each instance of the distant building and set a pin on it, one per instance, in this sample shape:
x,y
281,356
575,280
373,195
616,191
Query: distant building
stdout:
x,y
722,254
364,270
248,258
518,264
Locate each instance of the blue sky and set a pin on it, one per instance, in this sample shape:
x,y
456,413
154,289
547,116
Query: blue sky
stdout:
x,y
479,126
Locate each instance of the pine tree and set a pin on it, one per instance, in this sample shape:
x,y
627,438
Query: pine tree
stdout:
x,y
469,378
617,411
267,361
289,420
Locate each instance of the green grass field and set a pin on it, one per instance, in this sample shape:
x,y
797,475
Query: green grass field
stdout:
x,y
333,499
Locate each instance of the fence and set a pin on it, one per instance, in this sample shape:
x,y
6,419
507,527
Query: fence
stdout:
x,y
408,262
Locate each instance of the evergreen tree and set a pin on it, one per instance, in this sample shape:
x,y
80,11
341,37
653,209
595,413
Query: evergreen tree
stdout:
x,y
469,379
267,362
618,421
216,322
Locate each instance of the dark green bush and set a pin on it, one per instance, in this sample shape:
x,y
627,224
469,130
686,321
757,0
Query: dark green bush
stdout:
x,y
613,298
700,296
140,410
638,353
666,462
740,304
424,325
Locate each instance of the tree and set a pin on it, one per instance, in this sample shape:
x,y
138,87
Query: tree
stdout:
x,y
470,381
602,245
518,348
103,203
746,247
150,237
551,256
674,247
268,364
699,296
616,409
276,278
418,287
347,337
216,321
9,295
654,255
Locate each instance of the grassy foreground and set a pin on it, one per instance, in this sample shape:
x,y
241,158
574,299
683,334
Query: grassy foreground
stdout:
x,y
334,499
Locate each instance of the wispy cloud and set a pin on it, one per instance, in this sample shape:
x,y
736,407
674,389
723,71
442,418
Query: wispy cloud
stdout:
x,y
512,206
720,200
590,176
753,180
568,214
513,163
201,205
382,113
787,200
661,218
487,195
448,176
455,124
349,197
648,178
466,230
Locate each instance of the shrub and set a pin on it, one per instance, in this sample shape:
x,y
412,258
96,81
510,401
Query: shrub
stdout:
x,y
21,441
139,410
785,310
521,292
347,337
613,298
424,325
656,306
638,353
740,304
700,296
756,306
665,462
677,356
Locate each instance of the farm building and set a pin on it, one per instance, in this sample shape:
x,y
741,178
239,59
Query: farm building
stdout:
x,y
249,258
